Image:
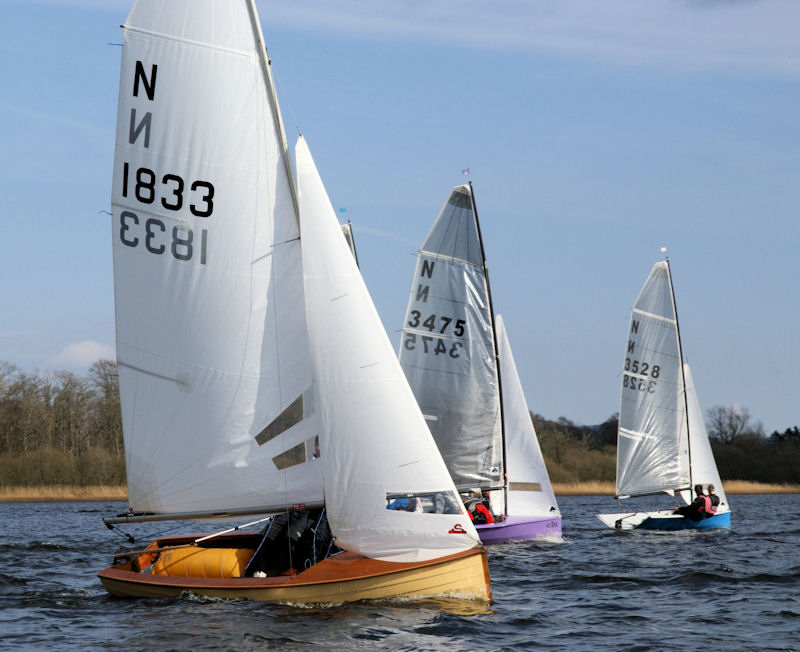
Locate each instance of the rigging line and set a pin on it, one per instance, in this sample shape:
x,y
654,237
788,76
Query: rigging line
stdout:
x,y
287,102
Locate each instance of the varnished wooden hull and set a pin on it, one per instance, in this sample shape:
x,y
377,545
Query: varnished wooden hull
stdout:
x,y
345,577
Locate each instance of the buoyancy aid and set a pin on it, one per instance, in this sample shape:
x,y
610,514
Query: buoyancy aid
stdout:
x,y
485,511
479,510
708,509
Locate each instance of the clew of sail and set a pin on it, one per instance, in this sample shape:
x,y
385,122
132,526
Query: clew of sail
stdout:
x,y
211,343
529,488
652,443
376,445
447,349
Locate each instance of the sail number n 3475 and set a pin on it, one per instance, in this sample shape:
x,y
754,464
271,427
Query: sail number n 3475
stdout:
x,y
414,320
153,233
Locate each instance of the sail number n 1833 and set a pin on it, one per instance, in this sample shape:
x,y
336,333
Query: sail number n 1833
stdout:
x,y
173,193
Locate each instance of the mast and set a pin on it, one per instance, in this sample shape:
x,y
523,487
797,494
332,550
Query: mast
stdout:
x,y
266,69
494,343
683,375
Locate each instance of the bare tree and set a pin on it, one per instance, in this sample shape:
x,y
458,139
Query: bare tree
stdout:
x,y
727,424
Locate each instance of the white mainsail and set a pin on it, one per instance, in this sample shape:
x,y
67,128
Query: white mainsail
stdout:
x,y
375,442
652,443
448,351
529,488
210,314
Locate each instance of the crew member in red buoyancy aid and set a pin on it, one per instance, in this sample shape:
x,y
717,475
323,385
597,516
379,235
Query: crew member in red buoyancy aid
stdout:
x,y
479,508
701,507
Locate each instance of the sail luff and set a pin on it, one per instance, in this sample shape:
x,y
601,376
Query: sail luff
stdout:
x,y
497,361
266,68
683,373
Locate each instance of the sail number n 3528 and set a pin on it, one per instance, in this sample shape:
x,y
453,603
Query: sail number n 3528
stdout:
x,y
640,382
171,191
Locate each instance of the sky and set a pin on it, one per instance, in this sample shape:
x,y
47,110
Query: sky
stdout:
x,y
595,134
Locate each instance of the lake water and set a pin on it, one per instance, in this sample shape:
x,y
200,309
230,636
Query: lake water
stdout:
x,y
715,590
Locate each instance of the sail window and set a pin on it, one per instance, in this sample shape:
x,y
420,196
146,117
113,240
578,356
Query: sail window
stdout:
x,y
438,502
524,486
292,457
291,416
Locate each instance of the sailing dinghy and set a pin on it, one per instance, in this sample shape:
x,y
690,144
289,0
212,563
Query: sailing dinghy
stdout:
x,y
255,375
457,358
662,445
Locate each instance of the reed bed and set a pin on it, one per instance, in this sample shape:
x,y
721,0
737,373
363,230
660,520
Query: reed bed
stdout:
x,y
45,493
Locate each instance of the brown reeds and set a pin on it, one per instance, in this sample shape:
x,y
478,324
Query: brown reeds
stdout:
x,y
53,493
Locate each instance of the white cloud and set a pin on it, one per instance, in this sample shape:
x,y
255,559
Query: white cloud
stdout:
x,y
83,354
744,36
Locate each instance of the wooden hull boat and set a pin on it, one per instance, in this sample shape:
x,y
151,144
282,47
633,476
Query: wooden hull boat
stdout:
x,y
344,577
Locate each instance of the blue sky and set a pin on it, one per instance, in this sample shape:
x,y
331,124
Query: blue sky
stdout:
x,y
595,132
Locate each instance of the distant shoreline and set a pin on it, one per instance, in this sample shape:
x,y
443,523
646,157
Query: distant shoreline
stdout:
x,y
67,493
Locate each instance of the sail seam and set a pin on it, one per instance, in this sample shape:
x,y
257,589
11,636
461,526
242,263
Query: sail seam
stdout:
x,y
455,259
200,44
669,320
633,434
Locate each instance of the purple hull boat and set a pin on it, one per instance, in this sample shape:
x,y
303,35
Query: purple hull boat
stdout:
x,y
520,528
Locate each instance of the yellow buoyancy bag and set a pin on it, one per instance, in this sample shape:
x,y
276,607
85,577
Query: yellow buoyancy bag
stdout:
x,y
211,563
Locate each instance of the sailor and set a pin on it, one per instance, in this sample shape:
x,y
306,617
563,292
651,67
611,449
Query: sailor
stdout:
x,y
479,508
696,511
713,502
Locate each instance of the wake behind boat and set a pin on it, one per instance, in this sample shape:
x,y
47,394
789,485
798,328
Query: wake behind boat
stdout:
x,y
255,375
662,444
458,360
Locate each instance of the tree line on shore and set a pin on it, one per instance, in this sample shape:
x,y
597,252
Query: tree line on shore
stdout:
x,y
59,428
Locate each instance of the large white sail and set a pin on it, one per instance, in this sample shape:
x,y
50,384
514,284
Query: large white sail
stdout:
x,y
448,351
704,468
211,337
652,443
376,446
529,488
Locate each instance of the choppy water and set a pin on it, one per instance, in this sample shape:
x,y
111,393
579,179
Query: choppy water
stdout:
x,y
716,590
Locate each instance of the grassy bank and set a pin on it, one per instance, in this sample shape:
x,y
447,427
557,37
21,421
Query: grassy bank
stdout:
x,y
105,493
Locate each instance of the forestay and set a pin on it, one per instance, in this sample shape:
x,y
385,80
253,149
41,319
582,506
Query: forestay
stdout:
x,y
375,441
529,488
447,349
652,445
211,336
